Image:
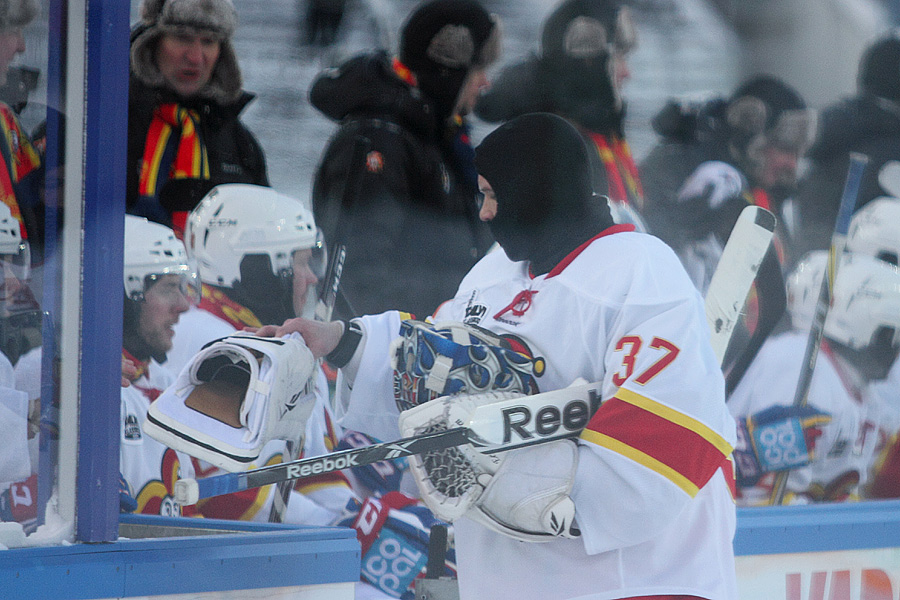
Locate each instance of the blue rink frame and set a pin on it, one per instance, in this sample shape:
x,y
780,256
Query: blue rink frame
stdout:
x,y
165,557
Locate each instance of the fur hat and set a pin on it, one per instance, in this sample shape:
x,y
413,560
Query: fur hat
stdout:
x,y
17,13
171,16
442,41
766,106
879,69
581,29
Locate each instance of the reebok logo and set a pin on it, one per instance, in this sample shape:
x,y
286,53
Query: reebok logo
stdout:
x,y
521,424
326,464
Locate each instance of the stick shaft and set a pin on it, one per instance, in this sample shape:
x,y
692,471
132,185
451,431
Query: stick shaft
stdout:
x,y
814,341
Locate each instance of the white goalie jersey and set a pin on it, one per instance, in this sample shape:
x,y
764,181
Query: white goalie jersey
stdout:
x,y
654,484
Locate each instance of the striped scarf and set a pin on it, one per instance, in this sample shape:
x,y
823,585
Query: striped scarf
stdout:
x,y
19,157
173,150
622,173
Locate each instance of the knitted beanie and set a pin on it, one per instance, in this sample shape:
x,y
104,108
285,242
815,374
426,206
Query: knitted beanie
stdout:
x,y
442,41
879,69
538,166
216,17
17,13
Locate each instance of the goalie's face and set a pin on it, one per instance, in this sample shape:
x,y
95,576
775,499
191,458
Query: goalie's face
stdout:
x,y
163,303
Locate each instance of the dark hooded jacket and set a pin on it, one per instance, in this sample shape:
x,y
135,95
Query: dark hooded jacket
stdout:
x,y
865,124
412,229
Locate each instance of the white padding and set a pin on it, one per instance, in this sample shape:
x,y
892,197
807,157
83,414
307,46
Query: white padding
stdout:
x,y
278,399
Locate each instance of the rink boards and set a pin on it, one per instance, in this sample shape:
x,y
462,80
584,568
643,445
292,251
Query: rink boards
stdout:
x,y
824,552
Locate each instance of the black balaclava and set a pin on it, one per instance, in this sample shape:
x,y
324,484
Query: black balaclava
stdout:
x,y
538,167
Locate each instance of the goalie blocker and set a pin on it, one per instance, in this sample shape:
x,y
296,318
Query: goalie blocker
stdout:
x,y
233,397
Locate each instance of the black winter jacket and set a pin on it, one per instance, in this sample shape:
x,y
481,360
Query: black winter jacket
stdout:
x,y
862,124
413,231
235,155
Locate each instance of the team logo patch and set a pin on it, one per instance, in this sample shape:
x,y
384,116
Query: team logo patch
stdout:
x,y
474,314
374,162
132,428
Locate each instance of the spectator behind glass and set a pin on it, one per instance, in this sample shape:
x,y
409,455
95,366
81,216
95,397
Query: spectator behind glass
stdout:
x,y
579,74
414,229
868,122
185,98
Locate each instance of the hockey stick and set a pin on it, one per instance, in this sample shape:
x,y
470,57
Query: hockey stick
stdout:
x,y
332,282
737,268
814,341
524,421
490,428
328,295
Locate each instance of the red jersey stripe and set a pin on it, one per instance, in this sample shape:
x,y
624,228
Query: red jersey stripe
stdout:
x,y
670,443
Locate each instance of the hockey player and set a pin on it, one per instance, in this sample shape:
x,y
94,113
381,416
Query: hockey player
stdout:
x,y
648,482
413,231
831,458
579,74
160,285
259,256
875,231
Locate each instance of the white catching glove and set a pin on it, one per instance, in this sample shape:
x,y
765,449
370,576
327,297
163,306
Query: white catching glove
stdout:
x,y
521,493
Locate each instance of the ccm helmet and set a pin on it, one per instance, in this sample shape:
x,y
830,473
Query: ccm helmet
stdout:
x,y
865,311
803,286
152,251
235,221
875,230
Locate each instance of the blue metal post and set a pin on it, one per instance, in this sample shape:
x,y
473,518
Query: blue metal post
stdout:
x,y
106,126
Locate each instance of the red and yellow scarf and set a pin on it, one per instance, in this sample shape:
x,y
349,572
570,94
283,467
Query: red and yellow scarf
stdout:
x,y
174,149
21,158
622,173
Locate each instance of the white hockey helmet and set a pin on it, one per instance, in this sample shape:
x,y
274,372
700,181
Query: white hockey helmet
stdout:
x,y
803,285
14,251
875,230
865,309
236,220
151,251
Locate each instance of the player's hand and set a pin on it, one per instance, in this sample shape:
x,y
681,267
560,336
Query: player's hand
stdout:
x,y
321,338
777,439
129,372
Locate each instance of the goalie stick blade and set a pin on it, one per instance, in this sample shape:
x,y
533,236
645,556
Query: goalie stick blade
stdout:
x,y
535,419
735,272
889,177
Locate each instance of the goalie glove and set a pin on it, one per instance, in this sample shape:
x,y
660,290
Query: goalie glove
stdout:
x,y
778,438
393,533
520,493
233,397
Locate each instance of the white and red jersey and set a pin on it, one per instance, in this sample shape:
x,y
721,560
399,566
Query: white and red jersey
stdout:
x,y
194,329
653,490
844,452
150,468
